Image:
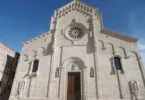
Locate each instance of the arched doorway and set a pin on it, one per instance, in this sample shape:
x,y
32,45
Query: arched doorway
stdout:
x,y
74,79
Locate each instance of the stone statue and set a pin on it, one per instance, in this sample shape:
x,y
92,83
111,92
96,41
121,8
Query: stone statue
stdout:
x,y
91,72
74,66
135,90
57,73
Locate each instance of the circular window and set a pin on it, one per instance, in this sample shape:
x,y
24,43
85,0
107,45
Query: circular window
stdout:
x,y
75,31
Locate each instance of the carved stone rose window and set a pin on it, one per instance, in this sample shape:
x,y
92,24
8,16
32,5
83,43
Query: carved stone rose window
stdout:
x,y
75,31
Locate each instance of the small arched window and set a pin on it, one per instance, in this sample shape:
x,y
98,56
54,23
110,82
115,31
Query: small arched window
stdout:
x,y
35,66
117,63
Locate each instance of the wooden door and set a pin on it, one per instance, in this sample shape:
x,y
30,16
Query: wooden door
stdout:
x,y
71,88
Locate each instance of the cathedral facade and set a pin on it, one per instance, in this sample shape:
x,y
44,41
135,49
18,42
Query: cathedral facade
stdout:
x,y
78,59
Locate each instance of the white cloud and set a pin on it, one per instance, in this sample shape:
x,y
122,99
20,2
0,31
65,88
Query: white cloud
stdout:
x,y
142,49
143,57
136,23
141,46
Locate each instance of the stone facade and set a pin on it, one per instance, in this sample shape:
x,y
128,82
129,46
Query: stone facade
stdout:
x,y
78,42
8,62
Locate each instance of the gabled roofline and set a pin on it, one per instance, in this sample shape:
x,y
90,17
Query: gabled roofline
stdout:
x,y
36,38
119,35
75,5
8,47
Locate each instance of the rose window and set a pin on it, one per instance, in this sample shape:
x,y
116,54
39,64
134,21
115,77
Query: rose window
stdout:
x,y
76,32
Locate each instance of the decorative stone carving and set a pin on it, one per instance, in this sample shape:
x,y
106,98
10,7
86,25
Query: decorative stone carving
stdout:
x,y
74,66
91,72
53,24
57,73
34,54
21,89
73,20
74,31
74,6
134,90
26,58
41,50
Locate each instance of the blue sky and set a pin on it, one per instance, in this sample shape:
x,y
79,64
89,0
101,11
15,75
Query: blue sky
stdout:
x,y
21,20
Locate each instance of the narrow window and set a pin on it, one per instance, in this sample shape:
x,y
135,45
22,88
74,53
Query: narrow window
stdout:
x,y
35,66
117,63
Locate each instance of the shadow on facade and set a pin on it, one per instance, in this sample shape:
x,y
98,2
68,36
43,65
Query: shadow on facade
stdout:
x,y
8,76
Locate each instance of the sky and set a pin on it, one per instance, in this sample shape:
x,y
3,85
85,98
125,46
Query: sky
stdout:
x,y
22,20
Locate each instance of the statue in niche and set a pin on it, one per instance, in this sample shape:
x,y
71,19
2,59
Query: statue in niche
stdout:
x,y
91,72
73,20
21,88
74,65
135,87
135,90
57,73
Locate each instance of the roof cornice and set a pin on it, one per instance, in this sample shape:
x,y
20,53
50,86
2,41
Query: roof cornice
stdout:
x,y
36,38
119,35
75,5
7,47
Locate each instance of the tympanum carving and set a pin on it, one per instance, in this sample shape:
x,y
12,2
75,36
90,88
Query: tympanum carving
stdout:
x,y
74,66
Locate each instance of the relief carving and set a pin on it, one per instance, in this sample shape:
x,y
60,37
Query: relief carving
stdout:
x,y
26,58
21,89
134,90
74,66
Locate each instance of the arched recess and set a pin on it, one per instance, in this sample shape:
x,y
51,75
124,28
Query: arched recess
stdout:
x,y
114,66
101,45
41,51
25,58
121,51
137,65
73,59
33,54
110,48
133,54
73,64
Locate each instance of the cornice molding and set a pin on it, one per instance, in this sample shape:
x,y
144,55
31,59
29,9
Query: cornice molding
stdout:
x,y
36,38
119,35
74,5
2,44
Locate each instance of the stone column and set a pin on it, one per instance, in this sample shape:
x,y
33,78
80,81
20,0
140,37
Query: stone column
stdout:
x,y
30,77
61,83
31,86
96,29
50,77
121,85
84,84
